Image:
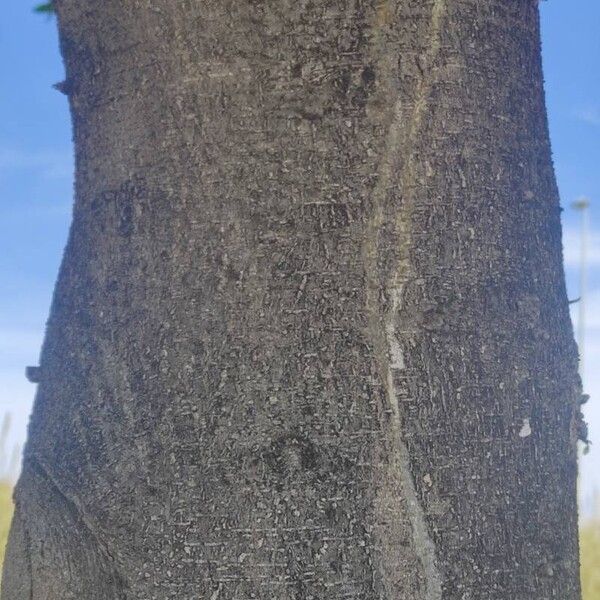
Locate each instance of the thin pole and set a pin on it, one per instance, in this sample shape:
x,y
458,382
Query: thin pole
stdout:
x,y
582,204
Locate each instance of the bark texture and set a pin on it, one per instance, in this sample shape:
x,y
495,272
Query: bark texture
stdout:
x,y
310,337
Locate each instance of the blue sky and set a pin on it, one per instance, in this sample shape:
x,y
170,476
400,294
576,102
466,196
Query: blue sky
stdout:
x,y
571,52
36,170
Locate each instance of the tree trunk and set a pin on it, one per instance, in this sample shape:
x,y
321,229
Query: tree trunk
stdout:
x,y
310,337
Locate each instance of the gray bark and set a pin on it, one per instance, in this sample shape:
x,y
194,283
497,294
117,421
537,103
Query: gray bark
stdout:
x,y
310,338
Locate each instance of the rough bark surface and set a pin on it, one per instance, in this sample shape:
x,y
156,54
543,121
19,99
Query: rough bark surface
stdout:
x,y
310,338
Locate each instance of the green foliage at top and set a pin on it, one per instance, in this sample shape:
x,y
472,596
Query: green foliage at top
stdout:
x,y
45,8
589,542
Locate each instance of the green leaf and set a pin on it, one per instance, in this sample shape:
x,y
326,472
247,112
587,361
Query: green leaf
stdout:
x,y
45,8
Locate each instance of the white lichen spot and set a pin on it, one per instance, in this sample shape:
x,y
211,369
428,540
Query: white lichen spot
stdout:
x,y
396,356
525,429
217,592
427,479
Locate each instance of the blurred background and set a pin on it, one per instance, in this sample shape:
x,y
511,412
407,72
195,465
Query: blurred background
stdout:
x,y
36,179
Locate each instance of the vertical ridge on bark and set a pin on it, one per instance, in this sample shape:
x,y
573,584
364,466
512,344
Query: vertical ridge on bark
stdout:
x,y
400,142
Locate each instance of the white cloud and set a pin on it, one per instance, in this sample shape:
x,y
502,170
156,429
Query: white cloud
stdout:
x,y
590,464
572,247
16,400
49,163
19,342
592,312
589,114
